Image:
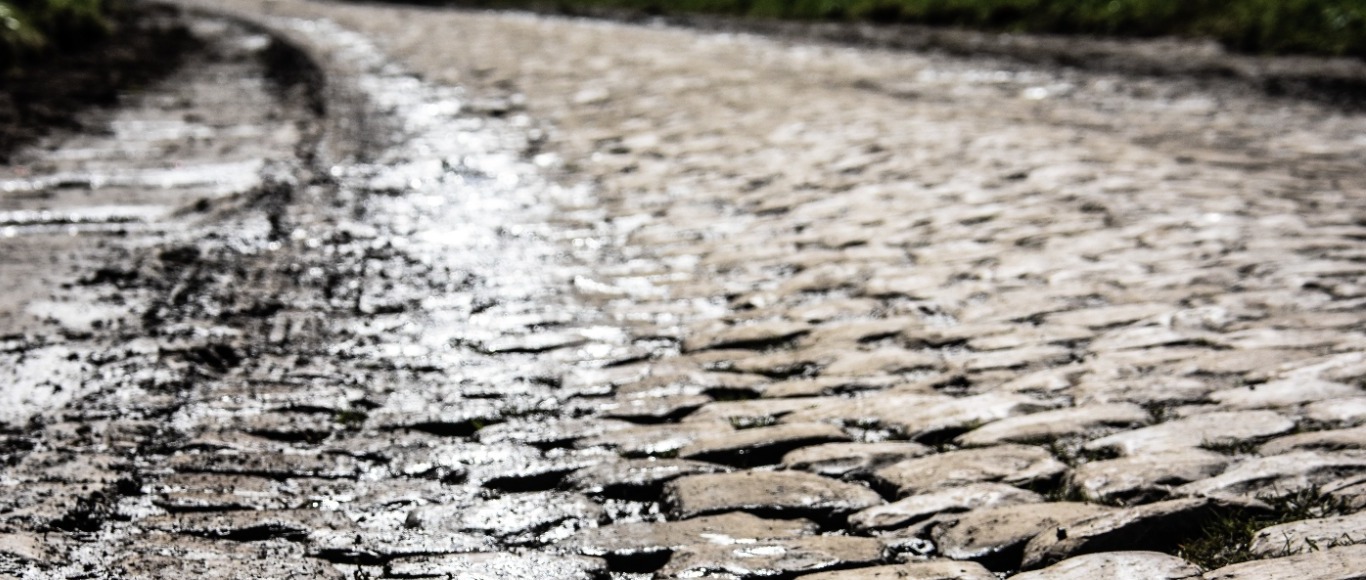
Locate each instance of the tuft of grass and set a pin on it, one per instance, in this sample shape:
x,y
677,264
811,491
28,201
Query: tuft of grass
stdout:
x,y
1227,539
31,28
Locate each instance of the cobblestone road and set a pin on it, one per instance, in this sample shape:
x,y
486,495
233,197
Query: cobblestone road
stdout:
x,y
635,302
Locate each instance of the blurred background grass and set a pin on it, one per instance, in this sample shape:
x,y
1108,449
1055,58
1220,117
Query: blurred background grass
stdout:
x,y
30,29
1320,27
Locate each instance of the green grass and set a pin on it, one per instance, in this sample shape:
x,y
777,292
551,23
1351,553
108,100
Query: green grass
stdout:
x,y
30,29
1324,27
1228,539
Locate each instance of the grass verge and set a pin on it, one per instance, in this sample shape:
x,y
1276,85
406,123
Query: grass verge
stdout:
x,y
1320,27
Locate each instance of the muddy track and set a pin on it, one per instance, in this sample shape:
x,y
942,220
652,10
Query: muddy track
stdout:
x,y
468,295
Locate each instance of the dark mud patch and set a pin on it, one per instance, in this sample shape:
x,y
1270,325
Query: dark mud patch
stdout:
x,y
149,42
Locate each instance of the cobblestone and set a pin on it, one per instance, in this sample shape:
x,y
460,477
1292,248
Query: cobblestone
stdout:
x,y
523,304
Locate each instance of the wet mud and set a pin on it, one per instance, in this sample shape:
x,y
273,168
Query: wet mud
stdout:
x,y
339,300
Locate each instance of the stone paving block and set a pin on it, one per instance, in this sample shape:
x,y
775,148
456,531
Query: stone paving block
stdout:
x,y
930,570
757,411
1206,429
654,440
996,534
760,445
652,408
827,386
511,515
1278,474
500,565
1030,336
1160,526
157,556
882,361
1113,315
1046,425
1309,535
1009,463
1127,564
542,431
636,477
1145,477
745,335
1330,440
845,459
1015,358
1282,393
918,507
1351,411
915,415
1341,563
785,493
734,528
773,557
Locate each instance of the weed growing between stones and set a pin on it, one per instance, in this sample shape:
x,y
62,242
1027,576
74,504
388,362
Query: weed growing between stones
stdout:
x,y
1227,539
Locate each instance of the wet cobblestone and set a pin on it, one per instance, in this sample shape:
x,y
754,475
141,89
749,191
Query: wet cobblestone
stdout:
x,y
533,306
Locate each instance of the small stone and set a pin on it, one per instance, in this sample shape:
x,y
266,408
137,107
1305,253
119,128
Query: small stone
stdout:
x,y
1341,563
760,445
996,534
930,570
500,565
1332,440
954,499
1009,463
636,477
1058,423
1145,477
1309,535
843,459
1195,431
774,557
1282,393
636,538
1160,526
1279,474
779,493
1116,565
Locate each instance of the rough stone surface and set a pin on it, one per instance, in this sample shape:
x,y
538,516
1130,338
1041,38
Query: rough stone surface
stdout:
x,y
1342,563
1278,473
783,492
1145,477
1047,425
997,533
773,558
932,570
857,459
647,537
954,499
1135,564
1160,526
1196,431
1012,464
760,445
1309,535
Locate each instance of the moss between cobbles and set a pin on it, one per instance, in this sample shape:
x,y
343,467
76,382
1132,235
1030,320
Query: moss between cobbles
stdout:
x,y
31,28
1322,27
